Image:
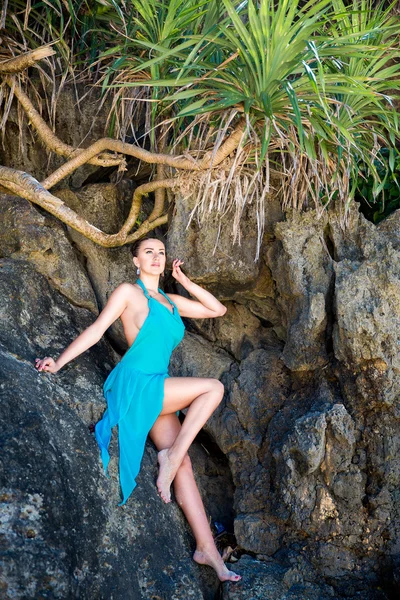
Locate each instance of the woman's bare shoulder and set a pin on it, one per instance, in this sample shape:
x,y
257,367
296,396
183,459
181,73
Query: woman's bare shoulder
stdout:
x,y
125,290
129,287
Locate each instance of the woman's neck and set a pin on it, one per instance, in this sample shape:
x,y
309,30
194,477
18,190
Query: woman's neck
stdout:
x,y
150,282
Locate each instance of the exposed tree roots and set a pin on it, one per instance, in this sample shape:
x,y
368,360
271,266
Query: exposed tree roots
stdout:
x,y
26,186
22,62
105,152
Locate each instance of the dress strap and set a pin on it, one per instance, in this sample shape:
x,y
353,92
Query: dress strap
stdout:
x,y
169,299
141,284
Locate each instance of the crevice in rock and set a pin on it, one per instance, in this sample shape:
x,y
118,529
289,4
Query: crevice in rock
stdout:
x,y
215,478
330,297
389,583
264,322
330,246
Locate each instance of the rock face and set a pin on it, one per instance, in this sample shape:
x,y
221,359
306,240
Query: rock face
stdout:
x,y
105,206
27,234
301,459
63,533
208,252
302,268
367,332
271,580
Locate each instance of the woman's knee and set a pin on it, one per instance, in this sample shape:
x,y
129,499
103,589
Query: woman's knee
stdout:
x,y
218,388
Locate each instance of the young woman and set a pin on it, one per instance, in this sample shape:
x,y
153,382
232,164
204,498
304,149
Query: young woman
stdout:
x,y
142,398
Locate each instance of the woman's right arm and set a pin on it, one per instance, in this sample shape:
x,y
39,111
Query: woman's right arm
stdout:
x,y
114,308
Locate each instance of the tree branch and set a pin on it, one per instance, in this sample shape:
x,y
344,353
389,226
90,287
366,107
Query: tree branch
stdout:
x,y
229,146
79,157
28,187
23,61
48,137
176,162
138,194
159,195
98,153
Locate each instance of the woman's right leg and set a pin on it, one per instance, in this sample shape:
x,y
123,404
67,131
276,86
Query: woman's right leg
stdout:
x,y
202,396
164,433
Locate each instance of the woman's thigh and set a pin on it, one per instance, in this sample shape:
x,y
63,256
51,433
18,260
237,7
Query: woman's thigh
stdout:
x,y
179,392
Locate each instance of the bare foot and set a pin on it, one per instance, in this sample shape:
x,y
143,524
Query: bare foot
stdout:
x,y
212,558
166,475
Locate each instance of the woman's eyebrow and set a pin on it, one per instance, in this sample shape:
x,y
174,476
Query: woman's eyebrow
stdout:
x,y
153,249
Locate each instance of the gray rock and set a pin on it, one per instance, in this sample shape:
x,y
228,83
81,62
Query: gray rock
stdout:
x,y
196,357
314,471
205,250
239,332
259,532
366,334
272,581
261,298
259,391
28,234
239,427
301,267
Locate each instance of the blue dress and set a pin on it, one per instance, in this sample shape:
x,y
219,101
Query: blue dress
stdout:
x,y
134,389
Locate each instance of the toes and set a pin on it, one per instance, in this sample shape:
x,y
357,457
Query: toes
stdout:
x,y
233,577
165,498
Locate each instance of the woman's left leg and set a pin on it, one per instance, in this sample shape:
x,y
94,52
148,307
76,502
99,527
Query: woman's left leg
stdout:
x,y
164,433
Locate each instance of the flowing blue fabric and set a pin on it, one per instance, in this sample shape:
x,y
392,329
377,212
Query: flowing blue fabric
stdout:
x,y
134,389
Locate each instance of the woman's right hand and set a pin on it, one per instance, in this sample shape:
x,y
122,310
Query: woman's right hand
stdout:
x,y
46,364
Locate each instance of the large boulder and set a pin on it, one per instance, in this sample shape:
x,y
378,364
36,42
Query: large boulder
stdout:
x,y
367,309
63,534
239,332
210,259
256,392
322,463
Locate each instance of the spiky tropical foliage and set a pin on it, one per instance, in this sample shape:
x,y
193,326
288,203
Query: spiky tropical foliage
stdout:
x,y
312,79
315,82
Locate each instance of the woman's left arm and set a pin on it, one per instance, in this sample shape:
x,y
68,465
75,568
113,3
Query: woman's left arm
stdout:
x,y
206,306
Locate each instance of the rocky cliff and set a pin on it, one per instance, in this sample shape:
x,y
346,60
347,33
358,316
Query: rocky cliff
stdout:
x,y
301,461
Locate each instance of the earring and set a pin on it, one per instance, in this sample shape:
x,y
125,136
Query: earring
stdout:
x,y
138,271
162,274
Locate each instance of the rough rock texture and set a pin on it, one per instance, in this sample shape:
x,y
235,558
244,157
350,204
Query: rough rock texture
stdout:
x,y
105,206
223,268
28,234
262,580
302,269
367,331
239,332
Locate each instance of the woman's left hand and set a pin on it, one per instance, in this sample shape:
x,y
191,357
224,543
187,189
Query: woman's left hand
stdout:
x,y
178,274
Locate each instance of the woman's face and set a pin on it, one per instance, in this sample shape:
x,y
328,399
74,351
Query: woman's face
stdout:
x,y
151,257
